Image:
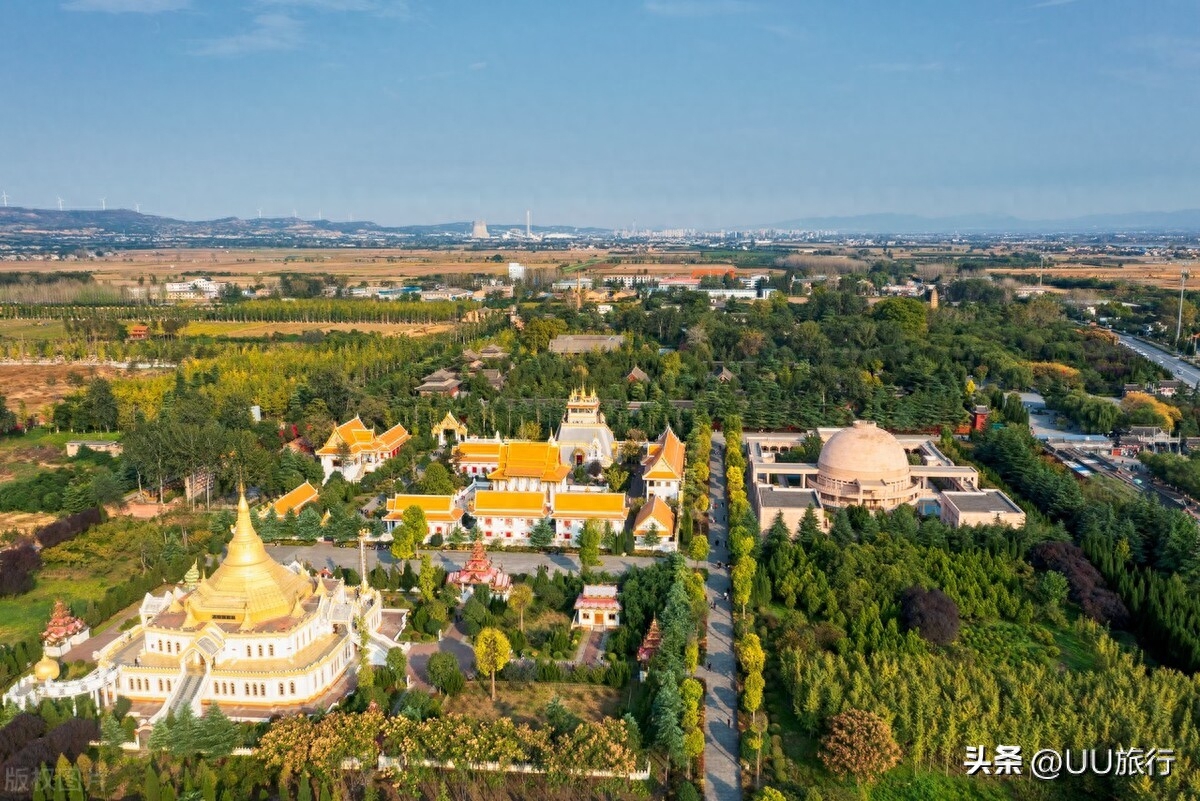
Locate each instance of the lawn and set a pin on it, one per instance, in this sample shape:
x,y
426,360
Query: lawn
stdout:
x,y
79,570
524,703
23,455
32,329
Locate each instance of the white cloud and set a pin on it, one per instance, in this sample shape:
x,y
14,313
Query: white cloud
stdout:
x,y
697,8
1052,3
270,32
391,8
127,6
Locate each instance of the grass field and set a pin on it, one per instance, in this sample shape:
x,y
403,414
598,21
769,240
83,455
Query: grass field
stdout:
x,y
233,329
524,703
32,329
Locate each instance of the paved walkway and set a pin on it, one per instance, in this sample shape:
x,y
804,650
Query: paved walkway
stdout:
x,y
321,555
87,649
722,773
454,641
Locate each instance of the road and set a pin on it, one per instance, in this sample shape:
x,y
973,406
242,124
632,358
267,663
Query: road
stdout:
x,y
321,555
1187,373
722,769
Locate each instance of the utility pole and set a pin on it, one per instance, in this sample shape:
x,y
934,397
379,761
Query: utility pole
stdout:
x,y
1183,277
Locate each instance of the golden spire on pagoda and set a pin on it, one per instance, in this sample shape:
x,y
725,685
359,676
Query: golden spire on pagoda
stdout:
x,y
249,587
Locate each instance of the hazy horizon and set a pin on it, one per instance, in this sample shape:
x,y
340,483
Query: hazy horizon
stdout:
x,y
664,114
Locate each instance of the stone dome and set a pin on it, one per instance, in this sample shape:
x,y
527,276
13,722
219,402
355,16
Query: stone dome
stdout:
x,y
863,452
46,669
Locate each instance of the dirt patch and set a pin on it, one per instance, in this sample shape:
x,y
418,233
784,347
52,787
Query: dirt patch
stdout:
x,y
37,385
24,522
524,703
237,329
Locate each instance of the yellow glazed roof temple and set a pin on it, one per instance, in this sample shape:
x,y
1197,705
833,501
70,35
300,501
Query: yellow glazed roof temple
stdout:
x,y
249,588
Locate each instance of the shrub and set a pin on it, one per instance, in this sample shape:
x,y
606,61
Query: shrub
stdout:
x,y
932,613
859,744
68,528
1087,585
17,566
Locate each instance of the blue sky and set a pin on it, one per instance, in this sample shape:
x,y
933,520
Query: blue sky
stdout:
x,y
702,113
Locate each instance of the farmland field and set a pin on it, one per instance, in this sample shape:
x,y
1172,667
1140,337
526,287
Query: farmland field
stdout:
x,y
235,329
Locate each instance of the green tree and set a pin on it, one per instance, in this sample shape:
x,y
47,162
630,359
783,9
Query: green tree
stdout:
x,y
216,734
810,530
542,534
436,480
411,531
589,544
444,673
666,710
397,663
519,599
698,549
651,536
492,652
427,579
743,581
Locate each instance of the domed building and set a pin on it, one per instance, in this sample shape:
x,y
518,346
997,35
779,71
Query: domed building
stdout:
x,y
864,465
255,637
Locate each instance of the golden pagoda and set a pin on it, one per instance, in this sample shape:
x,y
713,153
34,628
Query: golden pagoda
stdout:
x,y
249,587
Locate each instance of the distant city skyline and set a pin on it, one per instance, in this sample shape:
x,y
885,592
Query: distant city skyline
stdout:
x,y
700,114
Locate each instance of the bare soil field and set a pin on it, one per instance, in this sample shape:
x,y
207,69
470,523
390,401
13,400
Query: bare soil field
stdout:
x,y
1148,274
256,265
218,328
24,522
41,384
253,266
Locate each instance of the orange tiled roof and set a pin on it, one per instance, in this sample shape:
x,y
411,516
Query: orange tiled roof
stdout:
x,y
656,510
435,507
523,504
589,505
394,437
478,451
665,459
522,459
295,500
361,439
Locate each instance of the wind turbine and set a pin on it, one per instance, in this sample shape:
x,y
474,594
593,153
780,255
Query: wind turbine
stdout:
x,y
5,196
60,208
103,204
260,214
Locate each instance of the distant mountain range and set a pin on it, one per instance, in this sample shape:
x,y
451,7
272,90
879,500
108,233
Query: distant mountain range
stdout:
x,y
124,228
123,224
1157,221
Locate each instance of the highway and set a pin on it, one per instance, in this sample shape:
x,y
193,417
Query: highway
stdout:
x,y
1185,372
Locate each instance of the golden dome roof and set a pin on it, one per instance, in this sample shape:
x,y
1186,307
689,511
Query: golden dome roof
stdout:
x,y
249,587
863,452
46,669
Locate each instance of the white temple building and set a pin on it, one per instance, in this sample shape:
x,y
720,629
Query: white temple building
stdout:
x,y
256,638
583,435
